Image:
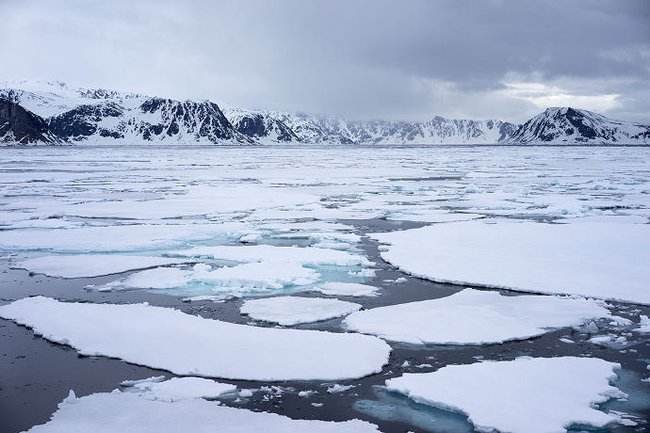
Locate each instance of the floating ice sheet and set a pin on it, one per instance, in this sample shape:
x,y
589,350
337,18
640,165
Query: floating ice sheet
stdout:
x,y
129,237
293,310
91,265
347,289
267,253
199,200
474,317
189,345
526,395
127,412
257,277
591,259
179,388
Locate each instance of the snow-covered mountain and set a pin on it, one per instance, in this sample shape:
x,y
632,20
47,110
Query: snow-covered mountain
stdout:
x,y
566,125
60,114
439,130
20,126
261,126
99,116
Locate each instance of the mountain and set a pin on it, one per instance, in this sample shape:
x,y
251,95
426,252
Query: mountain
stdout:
x,y
566,125
21,126
52,112
260,126
106,116
332,130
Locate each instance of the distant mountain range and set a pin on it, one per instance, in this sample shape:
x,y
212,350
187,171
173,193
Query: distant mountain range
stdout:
x,y
53,113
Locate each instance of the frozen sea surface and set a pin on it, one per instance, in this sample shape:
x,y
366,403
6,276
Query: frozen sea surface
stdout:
x,y
163,225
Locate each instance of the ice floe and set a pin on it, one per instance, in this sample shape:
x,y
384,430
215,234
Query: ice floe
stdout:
x,y
198,200
589,259
242,279
475,317
128,412
190,345
347,289
266,253
293,310
116,238
179,388
91,265
526,395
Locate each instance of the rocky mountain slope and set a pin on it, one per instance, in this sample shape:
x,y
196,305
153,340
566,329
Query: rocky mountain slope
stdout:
x,y
52,112
20,126
566,125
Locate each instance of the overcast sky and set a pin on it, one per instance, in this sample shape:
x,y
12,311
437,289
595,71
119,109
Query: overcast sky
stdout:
x,y
360,59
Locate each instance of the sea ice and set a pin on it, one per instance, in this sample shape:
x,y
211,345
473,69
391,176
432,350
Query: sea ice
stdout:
x,y
127,412
179,388
590,259
91,265
347,289
266,253
293,310
474,317
228,280
526,395
116,238
190,345
199,200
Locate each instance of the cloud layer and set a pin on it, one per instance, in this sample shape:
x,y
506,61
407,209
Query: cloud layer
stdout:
x,y
355,58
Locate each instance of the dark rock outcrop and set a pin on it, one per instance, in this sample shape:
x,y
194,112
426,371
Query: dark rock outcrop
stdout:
x,y
20,126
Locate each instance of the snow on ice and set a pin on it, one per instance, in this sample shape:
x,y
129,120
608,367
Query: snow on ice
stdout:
x,y
526,395
91,265
475,317
132,237
128,412
347,289
293,310
589,259
190,345
179,388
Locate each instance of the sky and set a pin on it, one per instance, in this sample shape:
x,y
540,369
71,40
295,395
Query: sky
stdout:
x,y
359,59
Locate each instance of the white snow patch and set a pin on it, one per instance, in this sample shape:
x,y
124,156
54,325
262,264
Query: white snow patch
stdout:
x,y
91,265
127,412
474,317
190,345
115,238
337,388
227,280
526,395
260,253
347,289
179,388
293,310
590,259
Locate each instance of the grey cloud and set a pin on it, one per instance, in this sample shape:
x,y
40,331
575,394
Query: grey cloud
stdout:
x,y
357,58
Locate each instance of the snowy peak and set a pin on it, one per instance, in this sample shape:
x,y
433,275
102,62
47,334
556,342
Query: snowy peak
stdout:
x,y
260,126
96,115
21,126
567,125
101,115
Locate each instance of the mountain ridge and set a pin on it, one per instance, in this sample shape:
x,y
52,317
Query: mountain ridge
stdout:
x,y
65,115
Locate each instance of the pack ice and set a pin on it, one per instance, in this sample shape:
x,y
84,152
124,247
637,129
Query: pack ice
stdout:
x,y
190,345
128,412
474,317
526,395
293,310
91,265
591,259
